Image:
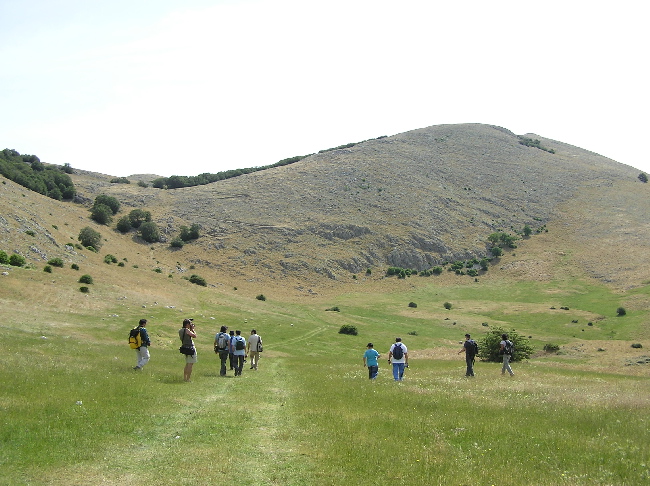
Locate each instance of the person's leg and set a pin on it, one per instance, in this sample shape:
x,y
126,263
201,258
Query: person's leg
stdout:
x,y
143,354
401,367
254,356
470,371
187,371
232,361
395,372
223,356
506,365
374,370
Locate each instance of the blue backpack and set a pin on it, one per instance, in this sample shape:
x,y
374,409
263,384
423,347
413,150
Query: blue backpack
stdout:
x,y
398,351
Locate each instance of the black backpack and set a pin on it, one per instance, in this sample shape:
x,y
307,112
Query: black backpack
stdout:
x,y
509,347
240,343
473,350
398,351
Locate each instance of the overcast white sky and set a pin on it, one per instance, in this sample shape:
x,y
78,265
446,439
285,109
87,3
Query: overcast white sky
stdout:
x,y
181,87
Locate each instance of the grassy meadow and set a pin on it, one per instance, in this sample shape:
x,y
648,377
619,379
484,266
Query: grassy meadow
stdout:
x,y
74,411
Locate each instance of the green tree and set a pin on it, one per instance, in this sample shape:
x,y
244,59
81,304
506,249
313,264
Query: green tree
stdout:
x,y
527,230
101,214
490,346
16,260
124,224
191,233
149,232
4,258
139,216
643,177
109,201
90,237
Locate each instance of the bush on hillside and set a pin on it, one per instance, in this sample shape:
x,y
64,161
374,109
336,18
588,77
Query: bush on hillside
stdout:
x,y
110,259
447,305
110,201
55,262
191,233
149,232
16,260
139,216
620,312
90,238
74,266
84,289
490,346
551,348
195,279
123,225
413,304
87,279
348,329
261,297
101,214
4,258
177,243
47,269
643,177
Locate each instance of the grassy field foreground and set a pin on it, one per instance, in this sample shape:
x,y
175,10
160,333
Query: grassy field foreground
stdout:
x,y
74,412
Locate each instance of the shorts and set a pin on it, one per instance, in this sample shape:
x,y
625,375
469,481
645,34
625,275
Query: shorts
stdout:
x,y
191,359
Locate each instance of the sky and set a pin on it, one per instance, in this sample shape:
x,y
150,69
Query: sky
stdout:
x,y
183,87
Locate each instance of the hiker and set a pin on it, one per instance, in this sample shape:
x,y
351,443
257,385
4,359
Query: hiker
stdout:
x,y
239,352
253,348
142,353
222,348
506,349
370,358
398,355
231,350
187,335
470,348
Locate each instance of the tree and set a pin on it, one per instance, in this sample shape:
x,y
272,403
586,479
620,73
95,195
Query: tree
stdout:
x,y
16,260
643,178
191,233
101,213
90,237
527,230
490,346
149,232
124,224
139,216
109,201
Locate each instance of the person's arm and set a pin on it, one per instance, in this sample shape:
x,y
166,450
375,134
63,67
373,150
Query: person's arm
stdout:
x,y
390,355
248,347
406,359
190,332
364,360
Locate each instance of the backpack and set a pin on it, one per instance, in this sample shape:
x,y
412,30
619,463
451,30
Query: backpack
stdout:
x,y
239,343
509,347
260,348
398,351
222,341
473,350
135,338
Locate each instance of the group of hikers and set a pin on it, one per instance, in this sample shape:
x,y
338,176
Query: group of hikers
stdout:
x,y
231,347
399,358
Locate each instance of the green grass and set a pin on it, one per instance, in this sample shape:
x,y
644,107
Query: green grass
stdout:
x,y
74,412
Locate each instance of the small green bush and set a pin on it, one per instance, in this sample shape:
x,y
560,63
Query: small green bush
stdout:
x,y
333,309
87,279
159,270
55,262
413,304
30,233
348,329
110,259
447,305
490,346
261,297
195,279
177,243
620,311
4,258
74,266
16,260
84,290
47,269
637,346
551,348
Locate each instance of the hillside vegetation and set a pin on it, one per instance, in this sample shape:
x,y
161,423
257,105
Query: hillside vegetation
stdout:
x,y
309,237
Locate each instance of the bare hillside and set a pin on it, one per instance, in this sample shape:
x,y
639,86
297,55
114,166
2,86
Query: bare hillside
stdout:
x,y
412,200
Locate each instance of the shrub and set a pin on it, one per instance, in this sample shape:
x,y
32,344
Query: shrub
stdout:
x,y
643,177
447,305
348,329
490,346
413,304
412,333
159,270
149,232
177,243
4,258
123,225
84,289
109,201
87,279
55,262
110,259
47,269
191,233
195,279
101,214
333,309
90,238
551,348
121,264
30,233
637,345
620,311
139,216
261,297
16,260
74,266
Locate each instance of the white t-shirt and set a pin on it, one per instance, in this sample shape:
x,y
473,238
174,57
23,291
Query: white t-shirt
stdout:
x,y
253,340
404,350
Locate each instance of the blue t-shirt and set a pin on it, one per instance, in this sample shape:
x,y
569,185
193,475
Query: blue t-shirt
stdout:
x,y
371,356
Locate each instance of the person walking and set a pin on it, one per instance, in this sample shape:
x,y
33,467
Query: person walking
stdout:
x,y
253,348
222,348
471,349
398,356
506,349
231,350
370,359
142,353
240,352
187,335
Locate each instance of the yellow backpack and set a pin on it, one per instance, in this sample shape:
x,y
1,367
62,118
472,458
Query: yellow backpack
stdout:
x,y
135,339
